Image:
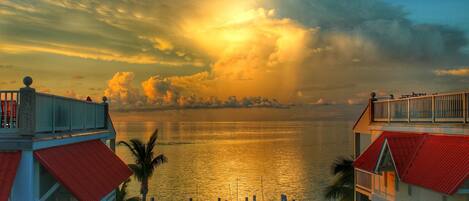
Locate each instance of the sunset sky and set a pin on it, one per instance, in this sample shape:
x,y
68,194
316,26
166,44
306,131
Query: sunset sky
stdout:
x,y
302,51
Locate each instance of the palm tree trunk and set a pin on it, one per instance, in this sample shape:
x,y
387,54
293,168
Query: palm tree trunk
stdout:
x,y
144,189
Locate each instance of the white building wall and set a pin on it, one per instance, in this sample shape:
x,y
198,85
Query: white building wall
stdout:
x,y
385,190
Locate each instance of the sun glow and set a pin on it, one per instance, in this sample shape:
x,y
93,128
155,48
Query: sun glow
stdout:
x,y
252,49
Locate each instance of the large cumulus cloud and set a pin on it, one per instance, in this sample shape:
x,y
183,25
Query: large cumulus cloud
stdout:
x,y
121,91
173,92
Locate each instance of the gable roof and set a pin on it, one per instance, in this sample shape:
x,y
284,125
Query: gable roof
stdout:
x,y
403,149
437,162
89,170
367,161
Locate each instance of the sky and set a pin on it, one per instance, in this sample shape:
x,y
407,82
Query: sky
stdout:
x,y
143,54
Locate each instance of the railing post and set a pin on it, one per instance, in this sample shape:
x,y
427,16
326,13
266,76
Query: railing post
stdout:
x,y
27,109
389,110
53,114
95,116
433,109
11,102
408,110
70,108
106,111
372,107
85,109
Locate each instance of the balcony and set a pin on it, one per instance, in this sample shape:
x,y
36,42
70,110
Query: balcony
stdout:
x,y
27,114
438,108
363,182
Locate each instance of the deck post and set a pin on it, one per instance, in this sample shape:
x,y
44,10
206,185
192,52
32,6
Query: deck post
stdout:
x,y
27,109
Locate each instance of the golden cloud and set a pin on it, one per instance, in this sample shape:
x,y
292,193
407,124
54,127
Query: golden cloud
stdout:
x,y
170,89
463,71
254,47
95,53
121,91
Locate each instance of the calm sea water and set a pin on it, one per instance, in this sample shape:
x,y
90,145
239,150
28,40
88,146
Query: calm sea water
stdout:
x,y
208,160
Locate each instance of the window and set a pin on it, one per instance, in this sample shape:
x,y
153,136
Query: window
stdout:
x,y
385,179
396,182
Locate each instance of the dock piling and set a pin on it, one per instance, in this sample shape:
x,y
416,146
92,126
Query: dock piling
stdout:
x,y
283,197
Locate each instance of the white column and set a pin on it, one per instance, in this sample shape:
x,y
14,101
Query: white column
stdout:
x,y
24,184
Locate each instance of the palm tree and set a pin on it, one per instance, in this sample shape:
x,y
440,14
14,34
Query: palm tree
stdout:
x,y
145,159
121,193
342,187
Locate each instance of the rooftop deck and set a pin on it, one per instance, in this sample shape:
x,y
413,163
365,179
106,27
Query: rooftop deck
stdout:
x,y
436,108
27,116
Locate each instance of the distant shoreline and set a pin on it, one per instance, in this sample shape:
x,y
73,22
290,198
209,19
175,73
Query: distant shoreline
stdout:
x,y
291,113
195,108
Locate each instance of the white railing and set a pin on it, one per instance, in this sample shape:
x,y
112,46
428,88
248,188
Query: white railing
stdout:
x,y
56,113
451,107
363,180
27,112
9,101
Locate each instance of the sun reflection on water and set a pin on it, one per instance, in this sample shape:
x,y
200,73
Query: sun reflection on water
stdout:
x,y
208,160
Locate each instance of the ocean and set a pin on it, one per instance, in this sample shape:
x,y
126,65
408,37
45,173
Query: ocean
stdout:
x,y
234,159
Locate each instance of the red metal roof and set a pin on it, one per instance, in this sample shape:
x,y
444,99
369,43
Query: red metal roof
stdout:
x,y
9,162
403,148
441,164
89,170
367,160
437,162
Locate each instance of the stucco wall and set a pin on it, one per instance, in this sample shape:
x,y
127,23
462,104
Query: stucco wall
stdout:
x,y
390,193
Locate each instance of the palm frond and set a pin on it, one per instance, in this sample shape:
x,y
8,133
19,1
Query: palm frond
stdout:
x,y
138,171
152,141
133,199
130,147
159,160
121,192
342,165
343,186
139,147
335,192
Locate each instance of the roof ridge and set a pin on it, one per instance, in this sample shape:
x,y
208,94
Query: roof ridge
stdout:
x,y
412,159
